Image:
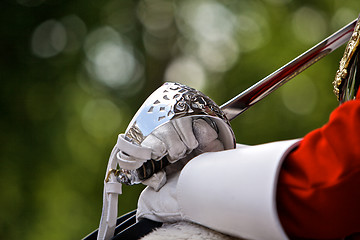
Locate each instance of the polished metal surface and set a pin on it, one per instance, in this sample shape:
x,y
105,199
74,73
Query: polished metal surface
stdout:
x,y
172,101
264,87
169,102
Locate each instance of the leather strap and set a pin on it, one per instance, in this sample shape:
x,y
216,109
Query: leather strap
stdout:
x,y
131,149
128,156
112,188
131,156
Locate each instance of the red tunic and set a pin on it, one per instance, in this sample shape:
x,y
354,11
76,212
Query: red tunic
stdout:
x,y
318,193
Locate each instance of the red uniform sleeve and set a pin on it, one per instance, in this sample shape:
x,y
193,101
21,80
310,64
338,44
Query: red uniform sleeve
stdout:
x,y
318,194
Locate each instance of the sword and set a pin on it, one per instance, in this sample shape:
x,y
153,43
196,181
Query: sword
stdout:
x,y
267,85
173,101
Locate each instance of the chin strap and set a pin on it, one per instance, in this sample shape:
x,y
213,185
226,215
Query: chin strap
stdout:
x,y
128,156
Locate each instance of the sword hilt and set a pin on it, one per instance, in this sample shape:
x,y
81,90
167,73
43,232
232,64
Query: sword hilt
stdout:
x,y
169,102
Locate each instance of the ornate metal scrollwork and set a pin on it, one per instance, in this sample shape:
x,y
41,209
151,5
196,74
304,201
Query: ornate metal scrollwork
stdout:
x,y
342,73
173,101
170,101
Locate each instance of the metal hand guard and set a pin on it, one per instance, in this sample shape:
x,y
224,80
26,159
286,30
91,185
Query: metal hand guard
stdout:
x,y
172,101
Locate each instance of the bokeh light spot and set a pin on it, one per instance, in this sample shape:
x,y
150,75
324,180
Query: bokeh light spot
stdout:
x,y
300,96
159,36
343,16
48,39
120,15
76,32
155,15
250,34
217,35
110,59
218,57
309,25
188,71
101,118
210,27
208,20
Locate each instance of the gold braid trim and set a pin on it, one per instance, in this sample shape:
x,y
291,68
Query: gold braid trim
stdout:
x,y
342,72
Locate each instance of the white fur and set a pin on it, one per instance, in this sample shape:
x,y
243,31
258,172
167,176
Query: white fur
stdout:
x,y
185,231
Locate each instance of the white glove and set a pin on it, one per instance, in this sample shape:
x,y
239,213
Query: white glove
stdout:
x,y
161,205
176,140
233,192
202,137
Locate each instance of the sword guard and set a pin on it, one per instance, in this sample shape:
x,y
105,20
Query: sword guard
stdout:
x,y
173,101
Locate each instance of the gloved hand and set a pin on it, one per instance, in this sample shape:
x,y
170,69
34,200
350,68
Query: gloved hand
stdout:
x,y
232,192
183,139
161,205
178,138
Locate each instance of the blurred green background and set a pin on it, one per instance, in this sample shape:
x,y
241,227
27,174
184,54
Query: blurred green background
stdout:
x,y
73,73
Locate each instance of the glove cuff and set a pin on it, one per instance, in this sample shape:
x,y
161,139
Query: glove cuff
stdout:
x,y
234,191
160,206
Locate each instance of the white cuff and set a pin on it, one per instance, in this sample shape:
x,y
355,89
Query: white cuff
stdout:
x,y
234,191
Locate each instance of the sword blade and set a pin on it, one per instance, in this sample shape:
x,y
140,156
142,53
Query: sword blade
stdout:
x,y
267,85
